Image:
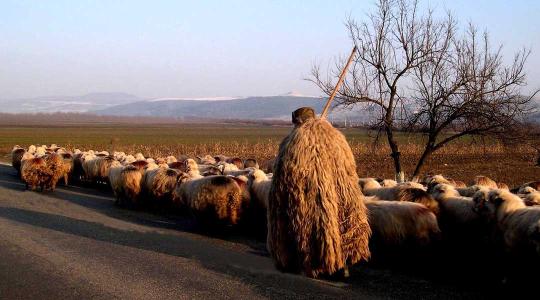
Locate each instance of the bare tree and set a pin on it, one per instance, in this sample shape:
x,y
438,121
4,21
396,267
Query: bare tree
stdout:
x,y
414,70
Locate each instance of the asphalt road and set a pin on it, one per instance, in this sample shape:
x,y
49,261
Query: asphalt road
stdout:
x,y
75,244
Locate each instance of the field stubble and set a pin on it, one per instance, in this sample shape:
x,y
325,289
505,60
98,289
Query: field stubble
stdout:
x,y
461,160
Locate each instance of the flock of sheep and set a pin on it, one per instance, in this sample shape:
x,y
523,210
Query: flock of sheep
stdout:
x,y
221,191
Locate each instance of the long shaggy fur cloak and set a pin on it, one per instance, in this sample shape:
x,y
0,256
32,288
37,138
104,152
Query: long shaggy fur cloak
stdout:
x,y
317,222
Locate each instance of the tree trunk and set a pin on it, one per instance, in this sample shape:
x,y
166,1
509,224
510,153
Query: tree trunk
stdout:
x,y
395,153
427,152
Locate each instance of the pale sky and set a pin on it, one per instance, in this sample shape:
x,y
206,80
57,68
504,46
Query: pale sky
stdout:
x,y
205,48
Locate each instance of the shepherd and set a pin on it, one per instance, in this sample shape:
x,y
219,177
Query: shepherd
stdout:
x,y
317,219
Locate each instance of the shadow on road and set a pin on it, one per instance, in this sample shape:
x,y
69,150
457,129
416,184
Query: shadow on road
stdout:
x,y
100,199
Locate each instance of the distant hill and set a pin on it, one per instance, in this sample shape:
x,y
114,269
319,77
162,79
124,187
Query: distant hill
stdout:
x,y
217,108
274,107
84,103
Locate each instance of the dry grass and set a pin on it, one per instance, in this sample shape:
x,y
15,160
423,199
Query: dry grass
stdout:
x,y
462,160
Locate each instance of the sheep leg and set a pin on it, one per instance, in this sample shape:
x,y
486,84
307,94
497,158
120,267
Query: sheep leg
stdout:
x,y
66,179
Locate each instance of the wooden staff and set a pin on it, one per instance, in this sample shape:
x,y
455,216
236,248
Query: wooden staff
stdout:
x,y
338,84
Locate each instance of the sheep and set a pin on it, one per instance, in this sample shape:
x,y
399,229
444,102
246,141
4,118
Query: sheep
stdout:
x,y
518,225
16,158
227,168
532,199
126,183
170,159
160,183
40,151
459,184
192,169
68,166
34,171
485,182
219,158
115,180
32,149
211,199
458,215
259,185
139,156
412,184
432,181
468,191
237,162
55,168
139,164
178,165
503,186
269,166
389,183
400,226
97,169
368,183
251,163
119,156
402,192
128,159
78,169
151,166
533,184
212,171
237,173
206,160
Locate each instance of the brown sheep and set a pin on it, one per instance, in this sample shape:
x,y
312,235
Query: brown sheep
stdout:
x,y
219,158
159,184
212,199
16,158
34,172
178,165
68,166
139,164
55,167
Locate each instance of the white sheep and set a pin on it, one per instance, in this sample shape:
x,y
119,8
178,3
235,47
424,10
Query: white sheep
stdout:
x,y
400,224
192,169
458,215
259,185
519,224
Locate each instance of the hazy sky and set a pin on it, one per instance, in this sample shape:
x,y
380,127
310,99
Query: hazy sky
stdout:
x,y
204,48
